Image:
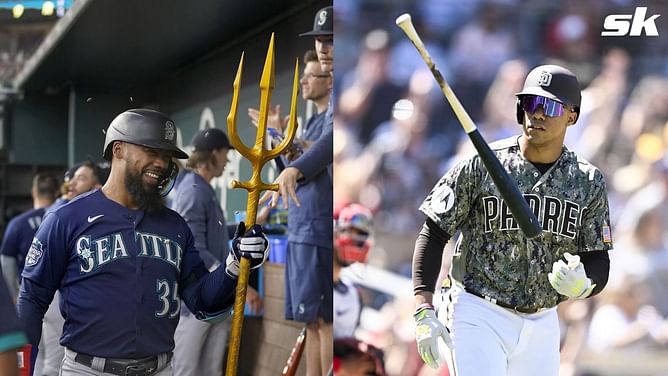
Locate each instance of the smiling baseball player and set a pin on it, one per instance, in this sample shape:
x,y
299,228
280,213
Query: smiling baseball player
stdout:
x,y
123,261
501,314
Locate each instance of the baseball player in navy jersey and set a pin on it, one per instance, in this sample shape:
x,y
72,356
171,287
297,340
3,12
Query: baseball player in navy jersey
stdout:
x,y
15,245
12,336
21,229
352,242
81,178
499,315
123,262
86,177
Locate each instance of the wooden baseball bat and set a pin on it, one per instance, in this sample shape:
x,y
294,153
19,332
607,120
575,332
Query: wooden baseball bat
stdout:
x,y
292,364
518,206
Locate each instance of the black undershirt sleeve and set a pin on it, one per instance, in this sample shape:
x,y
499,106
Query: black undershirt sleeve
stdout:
x,y
427,256
597,267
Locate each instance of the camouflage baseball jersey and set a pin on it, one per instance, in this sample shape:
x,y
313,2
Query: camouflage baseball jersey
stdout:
x,y
492,256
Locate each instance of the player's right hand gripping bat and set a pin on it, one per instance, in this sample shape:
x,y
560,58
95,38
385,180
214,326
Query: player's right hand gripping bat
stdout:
x,y
518,206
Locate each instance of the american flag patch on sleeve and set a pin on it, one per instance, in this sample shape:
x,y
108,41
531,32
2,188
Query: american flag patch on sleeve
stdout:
x,y
607,236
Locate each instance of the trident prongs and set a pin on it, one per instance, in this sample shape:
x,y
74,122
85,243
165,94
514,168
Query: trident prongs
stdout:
x,y
257,155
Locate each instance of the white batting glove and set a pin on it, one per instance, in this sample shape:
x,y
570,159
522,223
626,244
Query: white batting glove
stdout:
x,y
252,245
570,279
428,329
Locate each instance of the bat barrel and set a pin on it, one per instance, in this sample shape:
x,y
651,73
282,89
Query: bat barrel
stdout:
x,y
518,206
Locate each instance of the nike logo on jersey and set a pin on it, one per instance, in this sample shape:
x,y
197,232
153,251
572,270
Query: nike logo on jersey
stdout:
x,y
91,219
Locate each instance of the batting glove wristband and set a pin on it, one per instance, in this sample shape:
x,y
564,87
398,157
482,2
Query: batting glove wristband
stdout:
x,y
252,245
570,279
428,329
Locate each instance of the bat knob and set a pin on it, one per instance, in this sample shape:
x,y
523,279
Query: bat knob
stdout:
x,y
403,18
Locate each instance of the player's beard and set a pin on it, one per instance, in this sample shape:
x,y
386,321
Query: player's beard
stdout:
x,y
148,199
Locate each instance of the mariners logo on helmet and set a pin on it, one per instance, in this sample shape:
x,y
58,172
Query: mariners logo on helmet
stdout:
x,y
145,127
545,78
169,131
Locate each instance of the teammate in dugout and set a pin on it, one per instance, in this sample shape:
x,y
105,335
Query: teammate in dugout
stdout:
x,y
16,243
21,229
81,178
123,261
501,316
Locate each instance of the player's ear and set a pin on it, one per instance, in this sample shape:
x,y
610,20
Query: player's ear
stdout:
x,y
117,149
572,117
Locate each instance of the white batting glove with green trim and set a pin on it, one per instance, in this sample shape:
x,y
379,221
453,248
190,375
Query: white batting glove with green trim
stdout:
x,y
428,329
570,279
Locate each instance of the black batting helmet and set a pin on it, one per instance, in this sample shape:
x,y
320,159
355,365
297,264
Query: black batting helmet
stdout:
x,y
143,127
554,82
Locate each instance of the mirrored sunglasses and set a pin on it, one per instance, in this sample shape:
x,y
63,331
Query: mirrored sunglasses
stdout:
x,y
550,107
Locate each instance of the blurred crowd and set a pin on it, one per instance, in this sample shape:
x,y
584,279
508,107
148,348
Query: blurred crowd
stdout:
x,y
396,135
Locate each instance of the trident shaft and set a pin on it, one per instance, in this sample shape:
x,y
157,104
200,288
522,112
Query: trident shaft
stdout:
x,y
257,155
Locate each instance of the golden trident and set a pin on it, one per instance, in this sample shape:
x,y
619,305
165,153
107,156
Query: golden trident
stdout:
x,y
258,156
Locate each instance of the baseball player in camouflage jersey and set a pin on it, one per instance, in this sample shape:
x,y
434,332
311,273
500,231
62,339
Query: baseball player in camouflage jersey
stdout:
x,y
500,313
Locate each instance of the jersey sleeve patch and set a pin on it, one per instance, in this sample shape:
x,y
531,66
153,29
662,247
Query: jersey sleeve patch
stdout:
x,y
35,253
607,236
443,199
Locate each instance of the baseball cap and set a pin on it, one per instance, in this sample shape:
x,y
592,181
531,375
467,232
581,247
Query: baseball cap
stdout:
x,y
210,139
554,82
323,24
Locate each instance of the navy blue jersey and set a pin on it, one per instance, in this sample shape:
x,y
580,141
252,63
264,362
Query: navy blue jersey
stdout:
x,y
56,204
121,274
18,236
11,334
311,223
